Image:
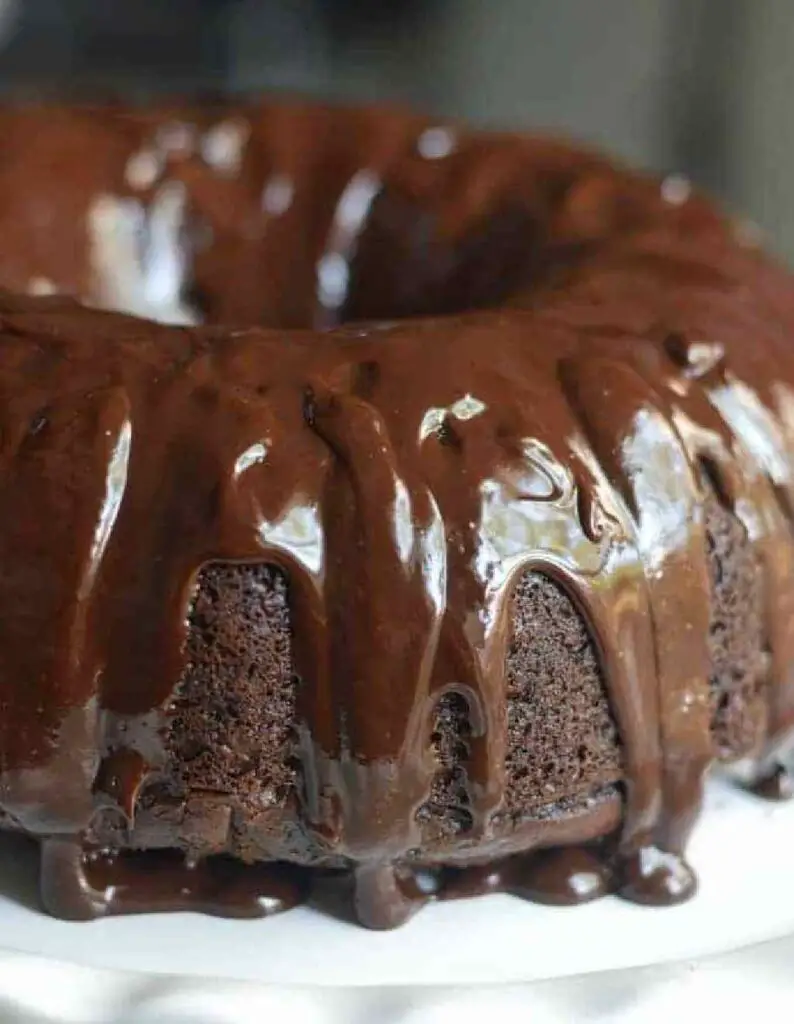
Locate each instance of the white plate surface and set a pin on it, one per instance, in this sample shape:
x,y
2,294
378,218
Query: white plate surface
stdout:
x,y
743,852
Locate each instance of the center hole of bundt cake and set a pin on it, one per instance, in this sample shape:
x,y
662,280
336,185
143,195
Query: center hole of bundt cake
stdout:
x,y
399,265
438,231
399,260
404,267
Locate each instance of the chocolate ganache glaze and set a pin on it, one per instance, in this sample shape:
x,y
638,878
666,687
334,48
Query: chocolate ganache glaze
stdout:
x,y
454,572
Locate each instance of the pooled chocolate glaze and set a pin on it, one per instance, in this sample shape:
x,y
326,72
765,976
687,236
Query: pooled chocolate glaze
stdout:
x,y
603,339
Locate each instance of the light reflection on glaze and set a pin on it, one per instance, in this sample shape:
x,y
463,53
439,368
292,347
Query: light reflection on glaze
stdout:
x,y
118,468
41,286
137,255
756,426
352,208
164,258
514,525
465,408
436,143
676,189
277,195
298,533
252,455
223,146
176,138
143,169
656,465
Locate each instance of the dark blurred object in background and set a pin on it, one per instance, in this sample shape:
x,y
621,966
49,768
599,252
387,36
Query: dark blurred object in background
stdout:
x,y
698,86
138,47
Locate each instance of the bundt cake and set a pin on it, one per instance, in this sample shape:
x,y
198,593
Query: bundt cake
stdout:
x,y
441,543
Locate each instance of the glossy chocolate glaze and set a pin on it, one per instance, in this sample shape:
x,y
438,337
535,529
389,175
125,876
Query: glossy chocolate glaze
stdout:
x,y
402,474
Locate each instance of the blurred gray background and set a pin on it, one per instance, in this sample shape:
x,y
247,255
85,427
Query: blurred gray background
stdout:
x,y
701,87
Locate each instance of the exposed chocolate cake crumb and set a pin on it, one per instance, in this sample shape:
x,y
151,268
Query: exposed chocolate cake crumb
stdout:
x,y
231,731
562,740
569,805
736,633
446,813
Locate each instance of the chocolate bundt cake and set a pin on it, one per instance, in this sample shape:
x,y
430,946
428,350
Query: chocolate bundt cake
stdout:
x,y
452,562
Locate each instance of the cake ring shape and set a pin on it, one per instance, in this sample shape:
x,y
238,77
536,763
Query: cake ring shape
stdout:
x,y
440,544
